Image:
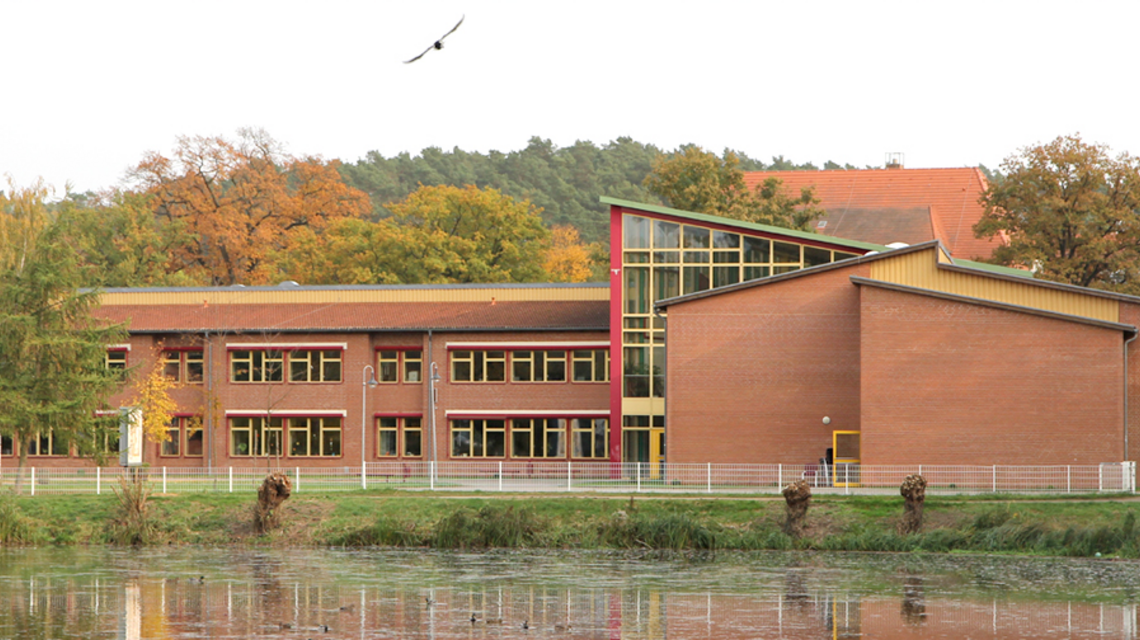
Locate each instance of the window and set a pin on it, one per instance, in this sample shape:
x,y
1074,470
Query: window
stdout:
x,y
387,366
591,365
589,437
538,366
478,366
5,446
255,436
257,365
399,365
46,444
388,438
314,365
116,359
538,438
413,366
183,365
478,438
313,437
184,436
388,431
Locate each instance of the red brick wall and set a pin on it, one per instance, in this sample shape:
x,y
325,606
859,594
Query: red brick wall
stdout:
x,y
952,383
751,374
509,396
1130,314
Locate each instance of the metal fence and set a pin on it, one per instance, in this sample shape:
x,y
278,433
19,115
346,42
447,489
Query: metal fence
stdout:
x,y
587,477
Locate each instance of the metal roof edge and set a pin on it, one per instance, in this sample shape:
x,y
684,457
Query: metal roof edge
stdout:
x,y
740,224
998,269
1047,284
356,287
578,329
932,293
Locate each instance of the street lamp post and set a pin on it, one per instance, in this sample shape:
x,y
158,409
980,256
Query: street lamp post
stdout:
x,y
365,384
433,393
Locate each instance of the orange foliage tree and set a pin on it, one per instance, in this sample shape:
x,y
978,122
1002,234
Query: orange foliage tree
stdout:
x,y
568,259
241,201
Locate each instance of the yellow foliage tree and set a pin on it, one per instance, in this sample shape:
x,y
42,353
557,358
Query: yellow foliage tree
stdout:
x,y
568,259
152,397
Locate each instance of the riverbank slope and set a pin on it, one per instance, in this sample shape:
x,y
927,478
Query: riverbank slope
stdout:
x,y
1074,526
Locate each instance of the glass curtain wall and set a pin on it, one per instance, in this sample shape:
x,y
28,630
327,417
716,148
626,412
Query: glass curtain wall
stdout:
x,y
662,259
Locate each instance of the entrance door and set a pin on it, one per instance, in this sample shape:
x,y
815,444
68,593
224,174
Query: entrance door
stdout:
x,y
656,451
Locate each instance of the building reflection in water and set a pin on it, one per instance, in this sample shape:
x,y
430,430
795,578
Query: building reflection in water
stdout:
x,y
255,601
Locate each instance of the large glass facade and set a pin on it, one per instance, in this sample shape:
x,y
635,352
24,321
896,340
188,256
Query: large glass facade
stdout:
x,y
663,259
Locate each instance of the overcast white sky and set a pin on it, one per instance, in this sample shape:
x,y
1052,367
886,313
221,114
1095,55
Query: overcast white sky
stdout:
x,y
90,86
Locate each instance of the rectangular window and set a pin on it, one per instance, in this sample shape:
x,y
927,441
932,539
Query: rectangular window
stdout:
x,y
589,437
172,365
478,366
666,282
257,365
696,237
636,290
314,437
538,438
723,276
193,429
815,256
46,444
5,446
116,359
413,367
387,435
785,252
413,437
387,366
312,365
183,365
636,374
591,365
666,235
184,436
391,431
757,249
636,231
255,436
538,366
478,438
696,279
171,446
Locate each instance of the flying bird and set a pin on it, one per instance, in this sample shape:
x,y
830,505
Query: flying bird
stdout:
x,y
438,43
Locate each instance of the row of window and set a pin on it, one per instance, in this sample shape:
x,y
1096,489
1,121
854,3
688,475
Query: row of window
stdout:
x,y
301,437
578,365
392,366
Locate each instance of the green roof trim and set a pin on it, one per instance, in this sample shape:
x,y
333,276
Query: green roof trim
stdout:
x,y
994,268
740,224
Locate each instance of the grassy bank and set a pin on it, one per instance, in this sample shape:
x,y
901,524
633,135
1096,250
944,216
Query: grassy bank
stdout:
x,y
1071,526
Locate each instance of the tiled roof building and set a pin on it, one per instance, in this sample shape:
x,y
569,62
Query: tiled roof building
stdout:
x,y
896,205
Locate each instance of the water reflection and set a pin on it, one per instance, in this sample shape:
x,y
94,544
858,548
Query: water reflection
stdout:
x,y
224,593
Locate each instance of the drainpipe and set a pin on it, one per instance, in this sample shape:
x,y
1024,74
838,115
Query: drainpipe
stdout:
x,y
1126,343
209,426
431,397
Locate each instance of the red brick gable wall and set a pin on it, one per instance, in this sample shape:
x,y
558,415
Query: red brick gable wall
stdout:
x,y
953,383
752,373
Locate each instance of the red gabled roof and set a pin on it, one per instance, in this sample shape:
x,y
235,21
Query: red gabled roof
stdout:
x,y
583,315
950,194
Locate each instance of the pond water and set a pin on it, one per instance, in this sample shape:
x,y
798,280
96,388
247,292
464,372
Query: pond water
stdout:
x,y
181,593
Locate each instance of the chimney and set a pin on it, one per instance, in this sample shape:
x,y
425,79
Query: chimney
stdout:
x,y
895,159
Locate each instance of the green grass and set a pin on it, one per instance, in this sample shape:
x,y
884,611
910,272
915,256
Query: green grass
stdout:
x,y
387,517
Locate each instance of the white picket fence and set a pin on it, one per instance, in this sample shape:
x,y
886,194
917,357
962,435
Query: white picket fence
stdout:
x,y
594,477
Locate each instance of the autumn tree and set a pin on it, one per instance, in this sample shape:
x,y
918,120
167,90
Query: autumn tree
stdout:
x,y
53,373
152,397
347,251
693,179
119,236
1071,212
569,259
239,201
